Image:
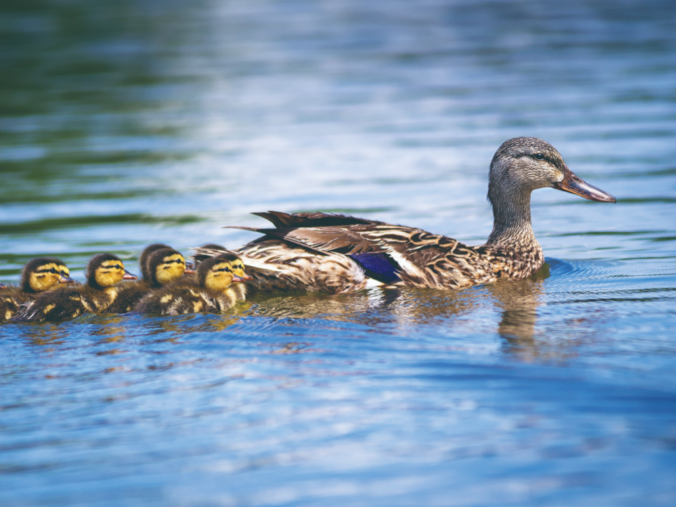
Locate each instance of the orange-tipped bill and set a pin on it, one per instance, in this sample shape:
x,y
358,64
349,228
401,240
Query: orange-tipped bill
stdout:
x,y
129,276
576,185
189,270
66,279
244,278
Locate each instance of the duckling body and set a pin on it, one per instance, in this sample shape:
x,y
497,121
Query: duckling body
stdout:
x,y
209,292
340,254
39,275
160,265
103,272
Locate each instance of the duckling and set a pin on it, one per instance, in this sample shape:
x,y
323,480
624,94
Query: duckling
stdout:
x,y
159,266
212,249
145,255
39,275
211,293
103,272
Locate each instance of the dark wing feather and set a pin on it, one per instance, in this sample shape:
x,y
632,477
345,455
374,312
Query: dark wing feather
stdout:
x,y
343,240
314,219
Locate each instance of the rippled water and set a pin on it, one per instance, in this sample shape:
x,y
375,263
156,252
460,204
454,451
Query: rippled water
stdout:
x,y
124,123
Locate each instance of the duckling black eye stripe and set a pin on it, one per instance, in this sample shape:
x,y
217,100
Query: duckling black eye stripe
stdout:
x,y
175,261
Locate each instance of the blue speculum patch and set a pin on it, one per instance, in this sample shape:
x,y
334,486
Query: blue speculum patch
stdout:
x,y
377,266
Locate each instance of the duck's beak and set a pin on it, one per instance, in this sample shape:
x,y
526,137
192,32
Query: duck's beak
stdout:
x,y
576,185
66,279
129,276
189,270
3,286
244,278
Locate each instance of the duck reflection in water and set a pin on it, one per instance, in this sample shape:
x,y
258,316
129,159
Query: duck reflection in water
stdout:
x,y
517,302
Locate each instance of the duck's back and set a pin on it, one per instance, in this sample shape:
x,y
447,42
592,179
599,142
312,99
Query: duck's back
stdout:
x,y
390,254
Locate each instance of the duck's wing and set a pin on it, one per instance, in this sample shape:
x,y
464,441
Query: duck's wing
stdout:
x,y
387,253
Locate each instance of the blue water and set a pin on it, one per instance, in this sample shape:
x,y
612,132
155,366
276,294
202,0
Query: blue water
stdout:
x,y
125,123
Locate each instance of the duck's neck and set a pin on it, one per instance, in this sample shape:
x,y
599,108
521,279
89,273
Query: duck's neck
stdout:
x,y
511,222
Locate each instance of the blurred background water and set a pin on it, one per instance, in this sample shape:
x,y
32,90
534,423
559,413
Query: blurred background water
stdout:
x,y
129,122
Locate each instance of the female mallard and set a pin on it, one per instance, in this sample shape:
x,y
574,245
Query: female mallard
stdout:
x,y
210,292
160,265
339,254
39,275
103,272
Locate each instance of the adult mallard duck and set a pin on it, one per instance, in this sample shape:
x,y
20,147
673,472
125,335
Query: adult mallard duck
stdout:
x,y
210,292
160,265
103,272
340,254
39,275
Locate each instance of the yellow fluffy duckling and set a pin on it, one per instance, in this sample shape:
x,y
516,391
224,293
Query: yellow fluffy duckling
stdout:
x,y
39,275
210,250
159,266
211,292
103,272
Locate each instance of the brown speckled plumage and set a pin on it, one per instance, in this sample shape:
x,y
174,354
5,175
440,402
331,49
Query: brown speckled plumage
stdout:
x,y
325,252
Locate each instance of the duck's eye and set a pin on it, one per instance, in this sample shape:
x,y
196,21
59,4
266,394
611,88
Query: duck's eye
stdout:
x,y
539,156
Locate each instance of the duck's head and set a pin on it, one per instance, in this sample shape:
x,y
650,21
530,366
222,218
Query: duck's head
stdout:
x,y
218,273
44,273
145,255
165,265
524,164
105,270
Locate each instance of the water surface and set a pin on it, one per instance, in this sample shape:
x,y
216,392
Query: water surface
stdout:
x,y
125,123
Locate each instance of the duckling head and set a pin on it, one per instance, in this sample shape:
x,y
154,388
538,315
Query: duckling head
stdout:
x,y
218,273
145,255
164,266
105,270
238,270
524,164
44,273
